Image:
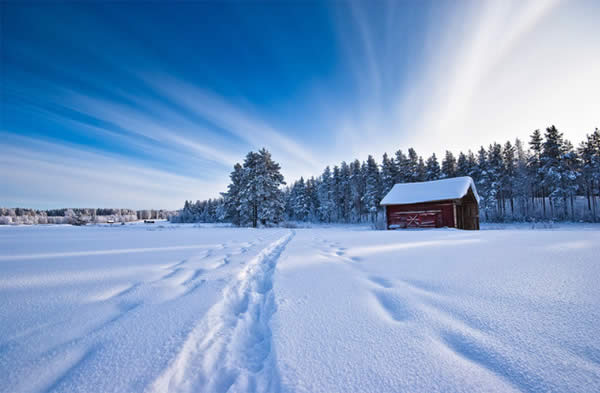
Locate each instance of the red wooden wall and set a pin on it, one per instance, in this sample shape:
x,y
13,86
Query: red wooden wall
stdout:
x,y
421,215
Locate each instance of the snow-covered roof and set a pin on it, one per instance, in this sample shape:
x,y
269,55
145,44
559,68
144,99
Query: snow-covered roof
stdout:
x,y
429,191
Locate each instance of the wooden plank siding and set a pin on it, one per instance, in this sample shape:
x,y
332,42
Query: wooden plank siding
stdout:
x,y
457,213
421,215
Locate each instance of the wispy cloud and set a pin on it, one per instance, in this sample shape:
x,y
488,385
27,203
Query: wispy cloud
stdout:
x,y
485,71
241,122
44,174
431,75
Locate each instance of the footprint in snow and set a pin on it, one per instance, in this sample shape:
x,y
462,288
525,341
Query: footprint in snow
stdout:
x,y
381,282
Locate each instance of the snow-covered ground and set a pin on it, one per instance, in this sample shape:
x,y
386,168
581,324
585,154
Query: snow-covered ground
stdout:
x,y
186,308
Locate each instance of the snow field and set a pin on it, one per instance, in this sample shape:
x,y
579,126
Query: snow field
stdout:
x,y
110,322
180,308
440,310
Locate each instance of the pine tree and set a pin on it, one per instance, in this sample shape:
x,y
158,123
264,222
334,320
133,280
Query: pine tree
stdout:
x,y
300,201
402,168
357,187
495,166
594,141
312,186
448,165
372,188
550,164
261,199
462,165
421,171
415,168
325,193
569,175
346,191
433,171
336,193
590,168
388,174
522,182
471,164
480,177
508,176
232,196
535,171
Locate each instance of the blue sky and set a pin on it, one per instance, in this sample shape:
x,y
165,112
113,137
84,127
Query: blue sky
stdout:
x,y
144,105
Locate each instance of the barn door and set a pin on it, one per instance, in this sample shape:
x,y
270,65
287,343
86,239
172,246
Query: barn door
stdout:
x,y
417,219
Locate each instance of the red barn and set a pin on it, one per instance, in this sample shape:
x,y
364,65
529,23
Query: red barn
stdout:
x,y
449,202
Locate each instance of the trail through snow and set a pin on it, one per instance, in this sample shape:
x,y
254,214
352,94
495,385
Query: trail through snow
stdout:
x,y
231,350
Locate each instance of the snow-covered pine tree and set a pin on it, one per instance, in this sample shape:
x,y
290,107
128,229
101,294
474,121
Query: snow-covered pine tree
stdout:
x,y
495,166
448,165
363,172
589,154
421,172
522,182
336,194
388,174
269,185
325,193
471,164
415,168
550,164
346,191
401,165
372,193
287,198
481,181
261,199
232,196
595,145
535,169
462,168
300,201
508,177
569,176
433,170
248,195
357,188
313,199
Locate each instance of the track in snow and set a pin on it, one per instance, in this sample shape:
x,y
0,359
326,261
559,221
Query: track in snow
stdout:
x,y
230,349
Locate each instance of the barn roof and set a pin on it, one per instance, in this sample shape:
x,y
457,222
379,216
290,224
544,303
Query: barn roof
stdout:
x,y
429,191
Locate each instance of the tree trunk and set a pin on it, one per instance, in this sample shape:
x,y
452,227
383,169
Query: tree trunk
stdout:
x,y
254,216
544,201
593,202
532,196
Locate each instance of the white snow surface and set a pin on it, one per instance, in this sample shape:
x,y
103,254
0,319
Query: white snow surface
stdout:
x,y
182,308
429,191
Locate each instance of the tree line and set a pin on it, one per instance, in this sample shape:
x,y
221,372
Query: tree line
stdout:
x,y
70,216
546,179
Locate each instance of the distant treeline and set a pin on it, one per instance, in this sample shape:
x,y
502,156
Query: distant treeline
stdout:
x,y
211,210
545,179
75,216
